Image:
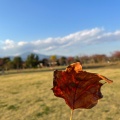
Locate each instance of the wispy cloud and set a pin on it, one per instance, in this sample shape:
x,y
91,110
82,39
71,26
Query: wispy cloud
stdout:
x,y
60,45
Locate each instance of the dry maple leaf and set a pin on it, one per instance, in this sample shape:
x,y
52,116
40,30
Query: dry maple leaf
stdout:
x,y
80,89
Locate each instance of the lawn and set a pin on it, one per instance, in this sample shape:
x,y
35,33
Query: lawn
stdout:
x,y
28,96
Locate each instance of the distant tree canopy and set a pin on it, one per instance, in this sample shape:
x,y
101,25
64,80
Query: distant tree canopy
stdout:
x,y
116,56
53,58
5,63
33,60
63,60
17,61
45,62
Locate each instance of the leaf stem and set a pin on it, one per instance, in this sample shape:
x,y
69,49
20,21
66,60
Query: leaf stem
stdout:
x,y
71,116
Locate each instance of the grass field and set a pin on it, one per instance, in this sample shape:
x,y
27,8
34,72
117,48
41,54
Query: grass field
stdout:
x,y
28,96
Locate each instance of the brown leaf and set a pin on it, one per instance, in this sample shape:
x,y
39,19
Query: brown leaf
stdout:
x,y
80,89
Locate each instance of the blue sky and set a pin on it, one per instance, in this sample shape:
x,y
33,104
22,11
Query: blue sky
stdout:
x,y
62,27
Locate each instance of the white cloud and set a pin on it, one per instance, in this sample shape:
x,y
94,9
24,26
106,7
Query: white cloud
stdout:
x,y
60,45
50,48
21,43
8,44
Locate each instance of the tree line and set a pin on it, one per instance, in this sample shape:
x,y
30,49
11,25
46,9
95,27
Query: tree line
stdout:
x,y
33,60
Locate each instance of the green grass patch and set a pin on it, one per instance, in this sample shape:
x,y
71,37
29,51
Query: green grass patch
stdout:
x,y
45,111
12,107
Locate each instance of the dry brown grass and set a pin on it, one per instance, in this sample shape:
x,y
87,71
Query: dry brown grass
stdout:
x,y
28,96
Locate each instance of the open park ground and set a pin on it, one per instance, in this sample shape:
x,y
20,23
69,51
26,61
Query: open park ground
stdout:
x,y
27,95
